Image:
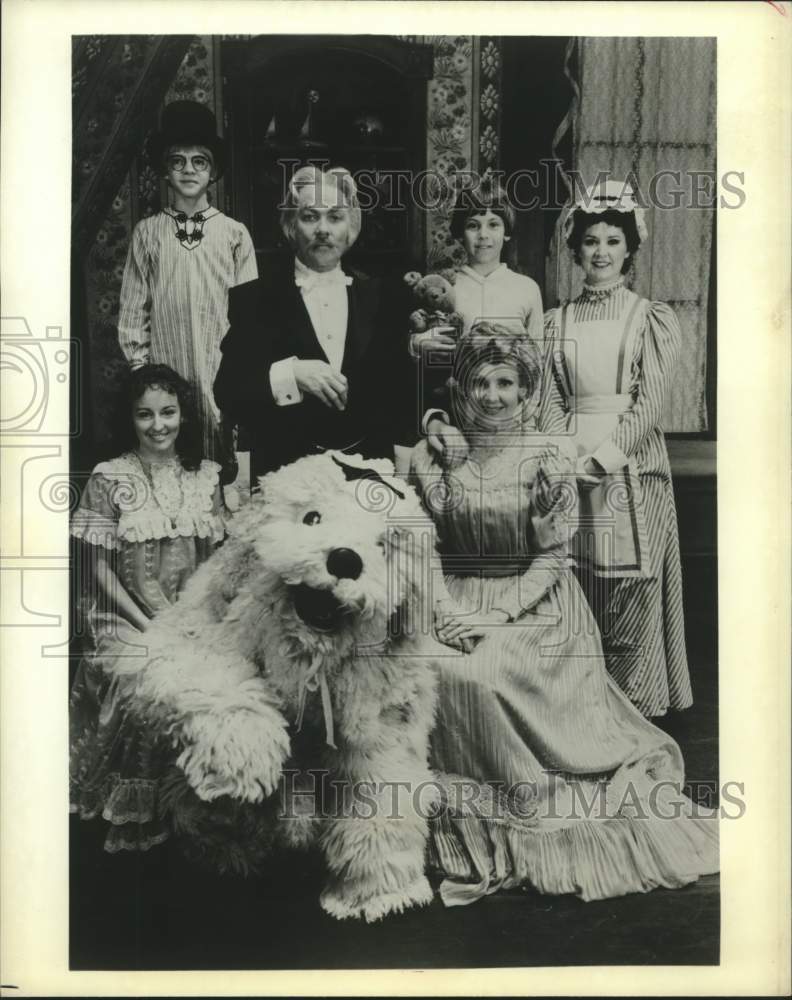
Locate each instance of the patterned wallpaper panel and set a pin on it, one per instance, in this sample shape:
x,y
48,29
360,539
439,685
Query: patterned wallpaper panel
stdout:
x,y
489,103
449,141
108,72
463,122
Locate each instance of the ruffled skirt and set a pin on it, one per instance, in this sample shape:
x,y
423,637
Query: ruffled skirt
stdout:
x,y
567,787
115,764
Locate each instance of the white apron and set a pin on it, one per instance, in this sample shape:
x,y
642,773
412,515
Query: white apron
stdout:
x,y
593,364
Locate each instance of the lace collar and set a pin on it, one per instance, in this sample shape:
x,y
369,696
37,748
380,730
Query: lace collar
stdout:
x,y
165,501
164,479
599,293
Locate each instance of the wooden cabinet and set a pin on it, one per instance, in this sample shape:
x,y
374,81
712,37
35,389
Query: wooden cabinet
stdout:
x,y
693,468
352,101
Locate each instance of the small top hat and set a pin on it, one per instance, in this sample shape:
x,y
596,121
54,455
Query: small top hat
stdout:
x,y
187,123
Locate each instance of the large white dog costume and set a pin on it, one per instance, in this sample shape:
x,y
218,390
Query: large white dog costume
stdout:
x,y
316,614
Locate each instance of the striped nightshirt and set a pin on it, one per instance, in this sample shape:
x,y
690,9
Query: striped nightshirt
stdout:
x,y
174,303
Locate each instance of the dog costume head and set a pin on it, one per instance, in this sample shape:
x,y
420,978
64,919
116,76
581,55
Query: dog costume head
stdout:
x,y
330,560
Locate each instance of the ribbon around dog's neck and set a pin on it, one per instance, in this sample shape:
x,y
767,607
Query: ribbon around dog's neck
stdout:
x,y
352,472
314,678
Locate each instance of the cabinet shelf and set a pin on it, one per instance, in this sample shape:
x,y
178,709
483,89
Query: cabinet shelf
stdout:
x,y
352,75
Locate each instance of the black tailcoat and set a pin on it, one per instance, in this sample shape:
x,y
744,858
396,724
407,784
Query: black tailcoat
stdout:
x,y
268,322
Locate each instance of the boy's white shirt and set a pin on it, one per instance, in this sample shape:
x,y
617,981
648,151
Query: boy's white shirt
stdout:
x,y
502,296
325,297
519,305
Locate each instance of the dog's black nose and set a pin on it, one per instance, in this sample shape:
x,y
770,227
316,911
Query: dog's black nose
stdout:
x,y
344,563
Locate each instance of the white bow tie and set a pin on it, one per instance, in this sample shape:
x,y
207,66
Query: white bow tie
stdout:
x,y
307,282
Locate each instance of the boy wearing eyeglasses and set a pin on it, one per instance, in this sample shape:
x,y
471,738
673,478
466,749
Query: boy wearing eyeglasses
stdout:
x,y
181,264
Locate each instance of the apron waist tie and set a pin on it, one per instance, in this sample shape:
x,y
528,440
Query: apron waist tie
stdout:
x,y
619,403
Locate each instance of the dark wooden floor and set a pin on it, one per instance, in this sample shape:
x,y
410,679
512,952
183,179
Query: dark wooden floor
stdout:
x,y
155,915
156,912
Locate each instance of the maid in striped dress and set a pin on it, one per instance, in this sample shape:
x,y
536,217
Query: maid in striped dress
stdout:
x,y
552,778
615,356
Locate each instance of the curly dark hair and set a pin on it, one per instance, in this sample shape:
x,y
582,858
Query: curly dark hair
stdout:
x,y
486,196
137,382
622,220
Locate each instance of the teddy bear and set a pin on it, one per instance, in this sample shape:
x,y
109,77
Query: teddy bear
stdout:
x,y
304,647
434,294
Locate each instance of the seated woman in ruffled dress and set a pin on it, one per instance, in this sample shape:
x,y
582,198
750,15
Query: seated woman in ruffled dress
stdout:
x,y
566,786
147,519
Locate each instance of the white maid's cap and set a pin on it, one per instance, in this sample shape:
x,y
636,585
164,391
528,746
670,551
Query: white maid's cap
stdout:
x,y
609,195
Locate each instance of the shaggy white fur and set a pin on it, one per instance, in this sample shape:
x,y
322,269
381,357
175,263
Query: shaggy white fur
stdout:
x,y
317,610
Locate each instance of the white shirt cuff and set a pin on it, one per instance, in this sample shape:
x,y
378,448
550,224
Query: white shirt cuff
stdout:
x,y
429,415
610,457
283,384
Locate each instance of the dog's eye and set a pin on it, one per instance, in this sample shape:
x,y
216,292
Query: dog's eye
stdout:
x,y
312,517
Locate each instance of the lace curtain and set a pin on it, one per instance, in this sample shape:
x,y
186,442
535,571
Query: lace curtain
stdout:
x,y
647,105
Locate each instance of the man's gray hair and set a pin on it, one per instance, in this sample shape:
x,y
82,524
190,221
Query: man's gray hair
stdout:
x,y
336,177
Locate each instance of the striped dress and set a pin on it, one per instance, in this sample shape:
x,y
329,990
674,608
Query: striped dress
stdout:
x,y
619,353
174,305
542,759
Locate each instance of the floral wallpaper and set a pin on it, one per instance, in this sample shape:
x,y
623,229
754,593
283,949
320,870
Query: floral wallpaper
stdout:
x,y
463,130
489,104
448,141
104,269
119,67
195,79
86,65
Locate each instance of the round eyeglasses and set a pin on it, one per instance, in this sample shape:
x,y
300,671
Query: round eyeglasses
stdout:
x,y
179,163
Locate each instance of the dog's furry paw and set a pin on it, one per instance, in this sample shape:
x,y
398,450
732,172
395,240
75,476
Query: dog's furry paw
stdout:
x,y
235,753
340,901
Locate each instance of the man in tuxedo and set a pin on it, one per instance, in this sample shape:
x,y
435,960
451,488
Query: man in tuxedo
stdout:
x,y
314,358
